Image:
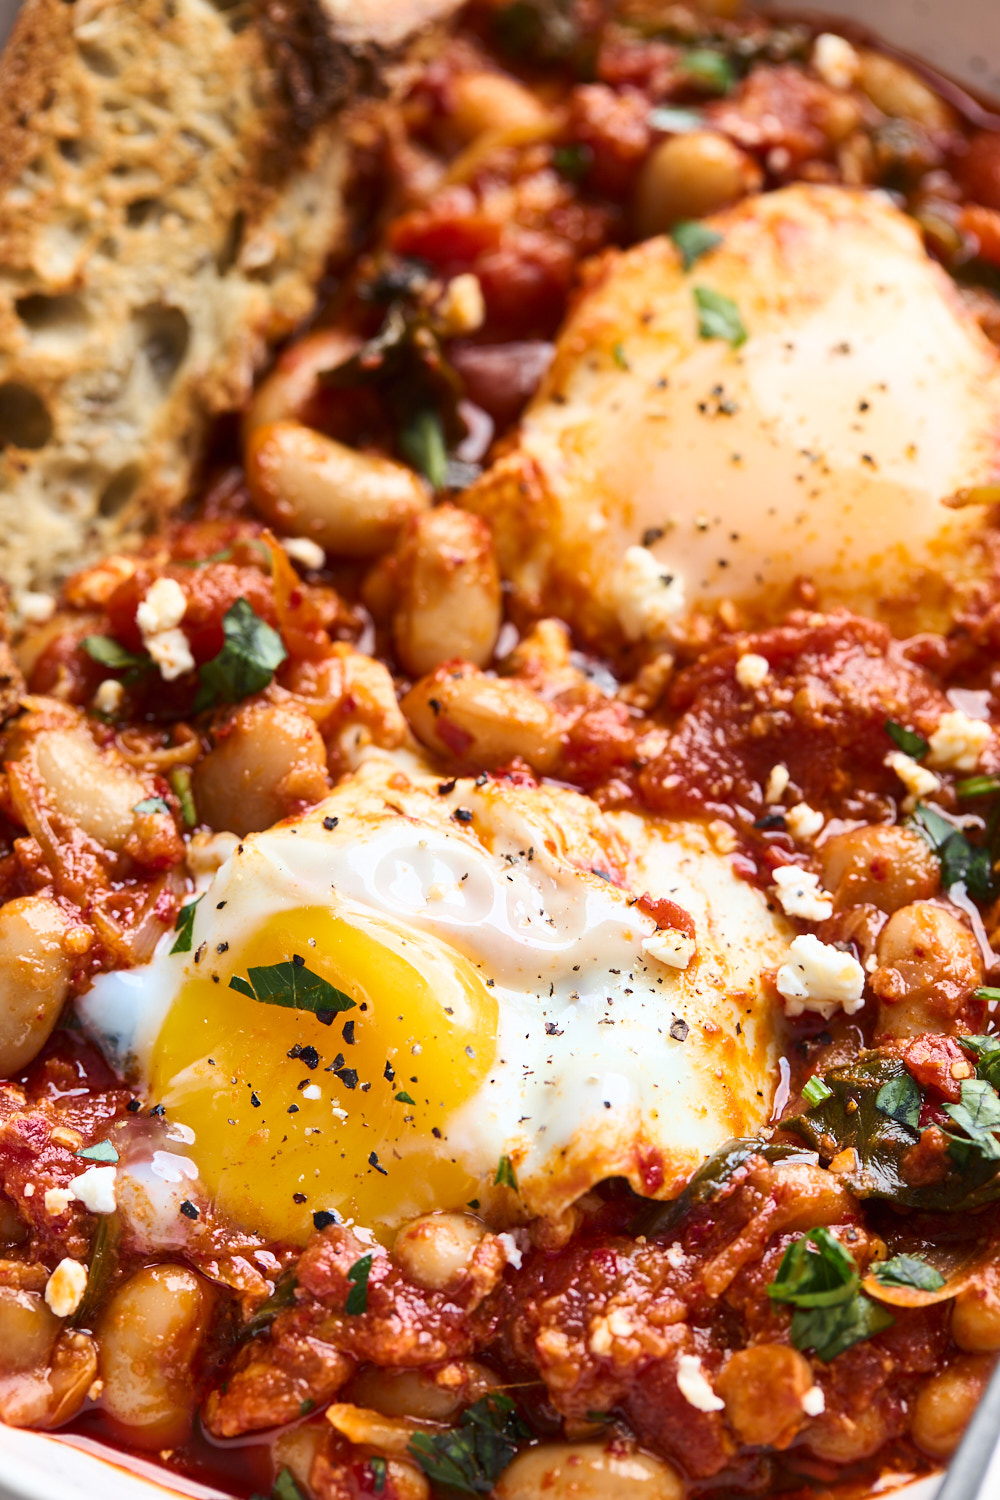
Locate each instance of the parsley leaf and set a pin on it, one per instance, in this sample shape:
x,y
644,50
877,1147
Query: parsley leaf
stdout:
x,y
471,1457
379,1469
985,1048
106,650
247,661
283,1296
404,1098
184,926
719,317
978,786
293,986
815,1091
618,355
709,69
819,1278
907,740
900,1100
505,1174
102,1151
357,1297
422,444
151,805
908,1270
693,240
285,1487
978,1114
961,862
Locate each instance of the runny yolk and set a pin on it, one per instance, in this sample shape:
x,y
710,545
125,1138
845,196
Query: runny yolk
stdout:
x,y
292,1116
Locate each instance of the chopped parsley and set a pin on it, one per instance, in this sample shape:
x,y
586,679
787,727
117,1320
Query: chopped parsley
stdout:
x,y
247,661
978,786
357,1297
693,240
618,355
719,317
403,1098
907,740
151,805
285,1487
184,926
471,1457
908,1270
102,1151
105,650
900,1100
962,863
505,1174
573,161
978,1114
283,1296
815,1091
294,986
819,1278
985,1048
422,444
709,69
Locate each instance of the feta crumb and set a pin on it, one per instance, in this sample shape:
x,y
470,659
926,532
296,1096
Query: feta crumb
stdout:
x,y
801,895
338,1113
36,607
647,596
694,1386
835,60
302,549
958,742
919,782
462,307
162,608
814,1401
752,671
57,1200
109,697
511,1249
820,978
670,947
95,1189
803,822
599,1341
171,653
65,1287
777,784
28,1191
675,1255
312,1091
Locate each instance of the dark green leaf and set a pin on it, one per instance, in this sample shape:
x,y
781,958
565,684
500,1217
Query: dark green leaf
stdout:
x,y
719,317
106,650
815,1091
693,240
985,1048
292,985
101,1151
542,30
961,862
829,1331
422,444
815,1271
471,1457
711,1179
900,1099
184,926
151,805
978,1114
379,1469
618,355
907,740
572,161
908,1270
403,1098
101,1271
281,1298
357,1297
675,121
247,661
285,1487
180,785
709,69
505,1174
978,786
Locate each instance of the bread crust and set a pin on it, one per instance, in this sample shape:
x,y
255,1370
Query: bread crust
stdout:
x,y
171,184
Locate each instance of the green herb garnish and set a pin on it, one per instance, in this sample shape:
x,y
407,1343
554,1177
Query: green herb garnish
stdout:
x,y
247,661
618,355
102,1151
709,69
471,1457
693,240
151,805
908,1270
294,986
184,926
106,650
572,162
422,444
907,740
900,1099
962,863
285,1487
180,785
819,1278
379,1470
978,786
403,1098
978,1114
281,1298
815,1091
357,1297
719,317
505,1174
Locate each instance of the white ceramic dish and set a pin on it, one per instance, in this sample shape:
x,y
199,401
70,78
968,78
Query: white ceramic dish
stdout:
x,y
958,37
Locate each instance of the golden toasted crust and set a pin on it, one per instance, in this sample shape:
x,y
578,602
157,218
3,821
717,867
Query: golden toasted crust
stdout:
x,y
171,184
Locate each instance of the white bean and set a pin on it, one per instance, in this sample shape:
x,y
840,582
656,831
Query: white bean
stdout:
x,y
88,786
491,104
148,1337
417,1394
944,1406
587,1471
269,760
897,91
28,1330
480,720
435,1250
34,977
353,504
284,392
449,606
689,176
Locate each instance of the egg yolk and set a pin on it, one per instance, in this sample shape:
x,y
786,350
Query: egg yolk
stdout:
x,y
293,1116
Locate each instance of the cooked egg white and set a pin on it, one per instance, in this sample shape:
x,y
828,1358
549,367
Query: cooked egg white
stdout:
x,y
502,1004
657,471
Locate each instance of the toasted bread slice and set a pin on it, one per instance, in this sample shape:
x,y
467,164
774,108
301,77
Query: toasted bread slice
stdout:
x,y
171,184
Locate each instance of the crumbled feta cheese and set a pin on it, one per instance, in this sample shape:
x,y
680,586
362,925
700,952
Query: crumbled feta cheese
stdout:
x,y
171,653
57,1200
670,947
648,597
109,697
919,782
820,978
312,1091
28,1191
694,1386
162,608
462,307
835,60
814,1401
65,1287
958,742
604,1330
35,607
675,1255
777,784
801,894
302,549
511,1249
95,1189
803,822
752,671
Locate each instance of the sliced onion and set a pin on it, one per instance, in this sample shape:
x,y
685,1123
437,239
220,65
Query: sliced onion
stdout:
x,y
960,1265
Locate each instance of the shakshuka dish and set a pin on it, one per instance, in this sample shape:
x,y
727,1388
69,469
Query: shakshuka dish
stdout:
x,y
501,885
